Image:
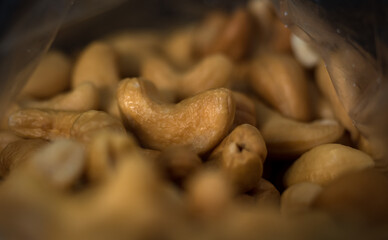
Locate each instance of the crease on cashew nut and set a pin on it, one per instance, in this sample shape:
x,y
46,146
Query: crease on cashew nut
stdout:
x,y
327,89
51,124
199,122
84,97
241,156
286,137
282,82
324,163
299,198
60,162
51,76
212,72
18,152
230,35
265,194
104,152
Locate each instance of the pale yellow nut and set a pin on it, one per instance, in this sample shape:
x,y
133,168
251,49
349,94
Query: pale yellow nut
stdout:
x,y
286,137
298,198
51,124
97,64
59,163
212,72
84,97
324,163
51,76
282,82
199,122
104,152
327,88
134,47
304,52
241,156
18,152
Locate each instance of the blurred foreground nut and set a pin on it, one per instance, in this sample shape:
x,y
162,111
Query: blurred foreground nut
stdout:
x,y
199,122
104,150
212,72
7,137
222,34
209,194
361,195
241,156
18,152
179,163
298,198
287,138
324,163
82,98
51,77
282,82
51,124
327,88
60,162
304,52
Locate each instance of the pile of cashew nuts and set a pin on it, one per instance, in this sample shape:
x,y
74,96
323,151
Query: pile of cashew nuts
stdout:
x,y
226,128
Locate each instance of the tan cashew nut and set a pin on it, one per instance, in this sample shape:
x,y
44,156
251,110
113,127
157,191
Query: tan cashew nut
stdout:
x,y
282,82
212,72
199,122
51,77
82,98
241,155
7,137
326,162
287,138
50,124
264,194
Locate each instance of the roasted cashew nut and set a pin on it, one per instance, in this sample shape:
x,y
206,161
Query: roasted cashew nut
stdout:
x,y
199,122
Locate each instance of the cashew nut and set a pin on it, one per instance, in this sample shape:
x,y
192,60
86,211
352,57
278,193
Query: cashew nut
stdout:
x,y
245,110
241,156
82,98
222,34
212,72
304,52
265,194
60,163
285,137
298,198
199,122
18,152
7,137
327,88
50,124
51,77
358,196
326,162
282,82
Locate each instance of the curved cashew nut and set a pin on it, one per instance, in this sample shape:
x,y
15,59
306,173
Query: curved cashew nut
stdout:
x,y
241,155
326,162
50,124
281,81
212,72
51,77
264,194
83,98
287,138
199,122
18,152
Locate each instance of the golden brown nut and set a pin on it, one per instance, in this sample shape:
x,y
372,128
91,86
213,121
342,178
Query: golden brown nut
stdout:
x,y
280,35
281,82
289,138
199,122
326,162
50,124
327,88
51,77
179,163
82,98
212,72
18,152
264,194
241,156
7,137
222,35
358,196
